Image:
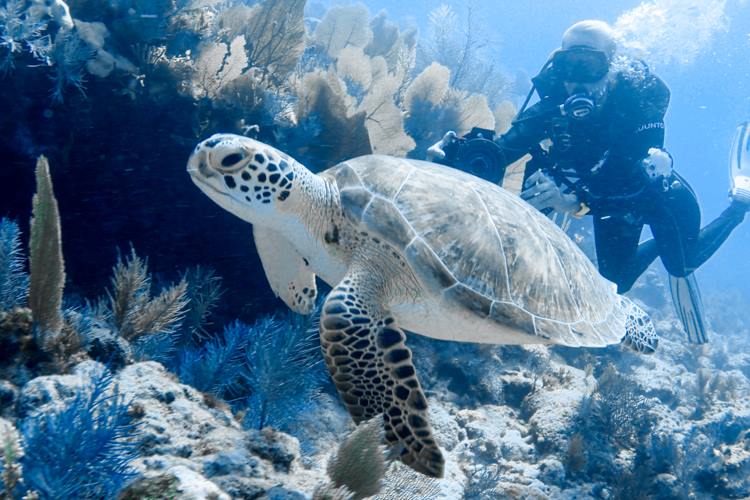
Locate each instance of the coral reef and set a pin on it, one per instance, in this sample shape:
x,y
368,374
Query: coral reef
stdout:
x,y
157,390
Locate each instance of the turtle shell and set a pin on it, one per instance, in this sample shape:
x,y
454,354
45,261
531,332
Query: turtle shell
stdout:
x,y
481,249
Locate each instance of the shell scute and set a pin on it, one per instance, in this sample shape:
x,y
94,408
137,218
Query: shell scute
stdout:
x,y
383,219
354,202
469,299
428,267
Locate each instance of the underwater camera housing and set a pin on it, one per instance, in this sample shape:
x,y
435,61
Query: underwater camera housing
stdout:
x,y
476,153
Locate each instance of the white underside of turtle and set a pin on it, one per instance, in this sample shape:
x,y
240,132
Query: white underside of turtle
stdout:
x,y
410,245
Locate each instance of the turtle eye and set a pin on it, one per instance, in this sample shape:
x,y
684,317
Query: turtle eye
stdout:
x,y
231,159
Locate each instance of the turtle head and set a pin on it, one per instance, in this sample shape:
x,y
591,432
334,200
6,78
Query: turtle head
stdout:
x,y
248,178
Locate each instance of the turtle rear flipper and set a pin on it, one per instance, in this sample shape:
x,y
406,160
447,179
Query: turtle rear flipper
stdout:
x,y
640,334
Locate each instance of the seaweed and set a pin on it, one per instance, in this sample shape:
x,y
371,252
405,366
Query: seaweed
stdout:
x,y
81,450
14,282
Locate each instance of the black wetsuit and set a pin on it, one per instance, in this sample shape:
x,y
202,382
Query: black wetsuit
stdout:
x,y
599,158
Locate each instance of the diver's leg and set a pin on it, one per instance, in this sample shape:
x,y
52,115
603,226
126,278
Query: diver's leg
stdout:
x,y
675,219
716,233
619,257
682,246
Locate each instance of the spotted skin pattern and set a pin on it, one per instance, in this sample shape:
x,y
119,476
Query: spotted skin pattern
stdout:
x,y
372,368
266,175
640,332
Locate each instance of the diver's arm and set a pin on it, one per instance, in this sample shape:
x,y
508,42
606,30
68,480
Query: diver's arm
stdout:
x,y
526,132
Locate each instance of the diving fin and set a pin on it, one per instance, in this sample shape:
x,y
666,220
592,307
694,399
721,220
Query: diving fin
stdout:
x,y
686,298
739,164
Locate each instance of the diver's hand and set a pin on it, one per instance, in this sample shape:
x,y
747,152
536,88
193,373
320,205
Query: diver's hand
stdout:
x,y
541,192
657,164
435,152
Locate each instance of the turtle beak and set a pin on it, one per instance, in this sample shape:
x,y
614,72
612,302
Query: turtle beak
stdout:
x,y
197,165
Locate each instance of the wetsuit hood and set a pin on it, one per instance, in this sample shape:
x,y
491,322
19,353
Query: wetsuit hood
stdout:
x,y
592,34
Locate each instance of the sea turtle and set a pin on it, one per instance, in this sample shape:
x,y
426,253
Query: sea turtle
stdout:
x,y
410,245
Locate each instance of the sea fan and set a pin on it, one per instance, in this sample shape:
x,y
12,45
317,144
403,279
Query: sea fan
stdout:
x,y
14,282
81,450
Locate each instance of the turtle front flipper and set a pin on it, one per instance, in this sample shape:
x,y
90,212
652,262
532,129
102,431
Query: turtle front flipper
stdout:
x,y
287,271
373,371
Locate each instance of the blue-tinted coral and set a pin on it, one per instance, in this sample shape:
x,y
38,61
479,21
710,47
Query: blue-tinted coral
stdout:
x,y
218,366
272,370
21,29
14,281
81,450
285,371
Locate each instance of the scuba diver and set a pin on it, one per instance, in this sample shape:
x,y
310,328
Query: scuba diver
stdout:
x,y
596,140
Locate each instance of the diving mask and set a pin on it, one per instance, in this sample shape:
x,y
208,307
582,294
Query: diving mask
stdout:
x,y
580,64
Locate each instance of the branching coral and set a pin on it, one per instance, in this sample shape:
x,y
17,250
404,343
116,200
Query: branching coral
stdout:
x,y
374,88
69,56
132,311
11,480
270,371
14,281
21,29
618,406
203,292
217,367
399,49
327,132
81,450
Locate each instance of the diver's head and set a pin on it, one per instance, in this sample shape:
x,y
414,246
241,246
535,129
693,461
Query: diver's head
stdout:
x,y
583,63
585,56
254,181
